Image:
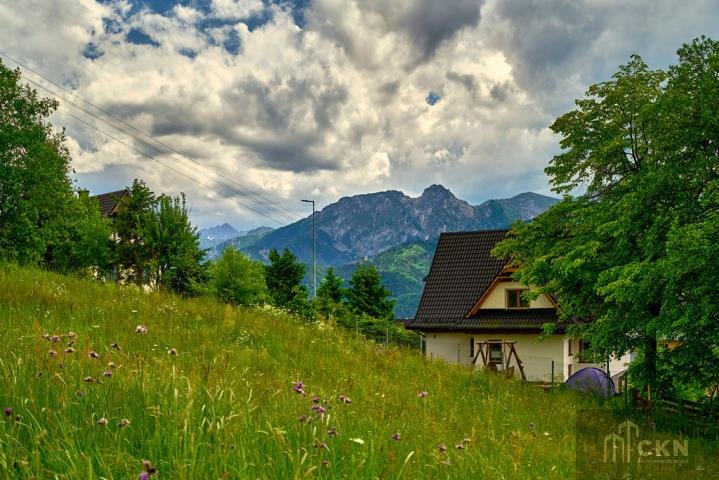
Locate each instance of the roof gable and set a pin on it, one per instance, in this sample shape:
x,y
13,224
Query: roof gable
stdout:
x,y
462,270
109,201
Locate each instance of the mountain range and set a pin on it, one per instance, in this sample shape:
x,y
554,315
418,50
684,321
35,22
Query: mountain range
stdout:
x,y
392,230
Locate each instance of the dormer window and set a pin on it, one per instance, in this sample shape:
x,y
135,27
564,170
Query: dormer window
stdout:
x,y
515,299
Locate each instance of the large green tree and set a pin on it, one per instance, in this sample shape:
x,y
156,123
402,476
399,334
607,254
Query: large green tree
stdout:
x,y
329,293
35,189
237,279
135,213
284,279
367,295
632,257
173,246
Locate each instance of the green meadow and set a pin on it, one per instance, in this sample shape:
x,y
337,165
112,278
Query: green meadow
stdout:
x,y
210,391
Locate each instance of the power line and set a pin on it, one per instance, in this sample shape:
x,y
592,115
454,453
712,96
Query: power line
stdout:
x,y
240,189
65,112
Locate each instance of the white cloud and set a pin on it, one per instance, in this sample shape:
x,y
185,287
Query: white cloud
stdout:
x,y
337,107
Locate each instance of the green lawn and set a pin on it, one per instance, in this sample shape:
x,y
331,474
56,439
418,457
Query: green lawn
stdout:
x,y
225,407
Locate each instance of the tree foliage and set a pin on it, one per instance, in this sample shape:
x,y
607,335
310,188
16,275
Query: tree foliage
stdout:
x,y
367,294
173,246
633,259
330,293
237,279
135,212
35,190
284,278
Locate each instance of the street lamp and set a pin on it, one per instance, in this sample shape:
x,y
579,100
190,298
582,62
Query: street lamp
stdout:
x,y
314,261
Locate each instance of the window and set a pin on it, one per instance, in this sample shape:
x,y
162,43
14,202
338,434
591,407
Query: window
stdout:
x,y
471,347
515,299
495,353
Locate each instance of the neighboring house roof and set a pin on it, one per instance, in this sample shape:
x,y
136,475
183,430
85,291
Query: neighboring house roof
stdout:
x,y
109,201
462,270
504,320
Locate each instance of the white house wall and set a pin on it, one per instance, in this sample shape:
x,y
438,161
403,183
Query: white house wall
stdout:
x,y
536,356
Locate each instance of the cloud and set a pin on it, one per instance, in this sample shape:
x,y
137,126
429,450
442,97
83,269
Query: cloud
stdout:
x,y
329,98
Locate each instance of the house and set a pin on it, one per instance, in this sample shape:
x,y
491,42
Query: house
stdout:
x,y
473,313
110,201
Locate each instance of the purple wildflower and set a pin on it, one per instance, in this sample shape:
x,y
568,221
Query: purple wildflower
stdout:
x,y
442,447
319,409
144,476
93,354
8,411
69,350
54,339
141,329
316,399
346,400
107,373
396,437
332,432
422,394
149,468
52,353
299,387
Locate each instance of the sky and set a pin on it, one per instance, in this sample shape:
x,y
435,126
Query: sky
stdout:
x,y
261,103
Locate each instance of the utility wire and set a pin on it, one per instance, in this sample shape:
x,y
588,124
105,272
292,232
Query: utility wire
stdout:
x,y
164,153
238,188
145,154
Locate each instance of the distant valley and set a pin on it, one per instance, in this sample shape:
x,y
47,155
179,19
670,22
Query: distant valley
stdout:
x,y
395,232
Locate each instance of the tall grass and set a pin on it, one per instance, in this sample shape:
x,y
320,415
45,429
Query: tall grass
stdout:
x,y
225,407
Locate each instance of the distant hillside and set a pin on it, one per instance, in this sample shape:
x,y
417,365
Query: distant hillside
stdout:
x,y
395,232
363,226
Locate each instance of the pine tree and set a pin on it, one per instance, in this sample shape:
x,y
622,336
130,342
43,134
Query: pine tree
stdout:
x,y
284,276
367,294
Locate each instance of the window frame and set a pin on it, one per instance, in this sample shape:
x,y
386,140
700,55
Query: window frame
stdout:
x,y
517,293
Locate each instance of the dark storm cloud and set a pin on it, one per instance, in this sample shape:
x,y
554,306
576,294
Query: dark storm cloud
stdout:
x,y
429,22
268,118
425,23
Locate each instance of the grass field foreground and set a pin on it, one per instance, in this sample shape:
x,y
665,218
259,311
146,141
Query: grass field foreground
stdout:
x,y
96,378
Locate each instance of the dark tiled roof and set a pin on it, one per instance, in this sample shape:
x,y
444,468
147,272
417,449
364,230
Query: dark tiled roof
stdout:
x,y
462,269
500,319
108,201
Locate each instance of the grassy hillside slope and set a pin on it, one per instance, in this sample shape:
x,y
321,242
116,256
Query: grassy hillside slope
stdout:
x,y
224,406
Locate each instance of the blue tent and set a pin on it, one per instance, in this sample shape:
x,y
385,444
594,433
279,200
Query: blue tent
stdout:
x,y
593,380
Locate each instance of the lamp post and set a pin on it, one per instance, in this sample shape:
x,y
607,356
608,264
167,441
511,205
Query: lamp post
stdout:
x,y
314,260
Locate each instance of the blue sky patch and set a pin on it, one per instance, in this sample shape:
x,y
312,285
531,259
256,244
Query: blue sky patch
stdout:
x,y
432,98
233,43
138,37
92,51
